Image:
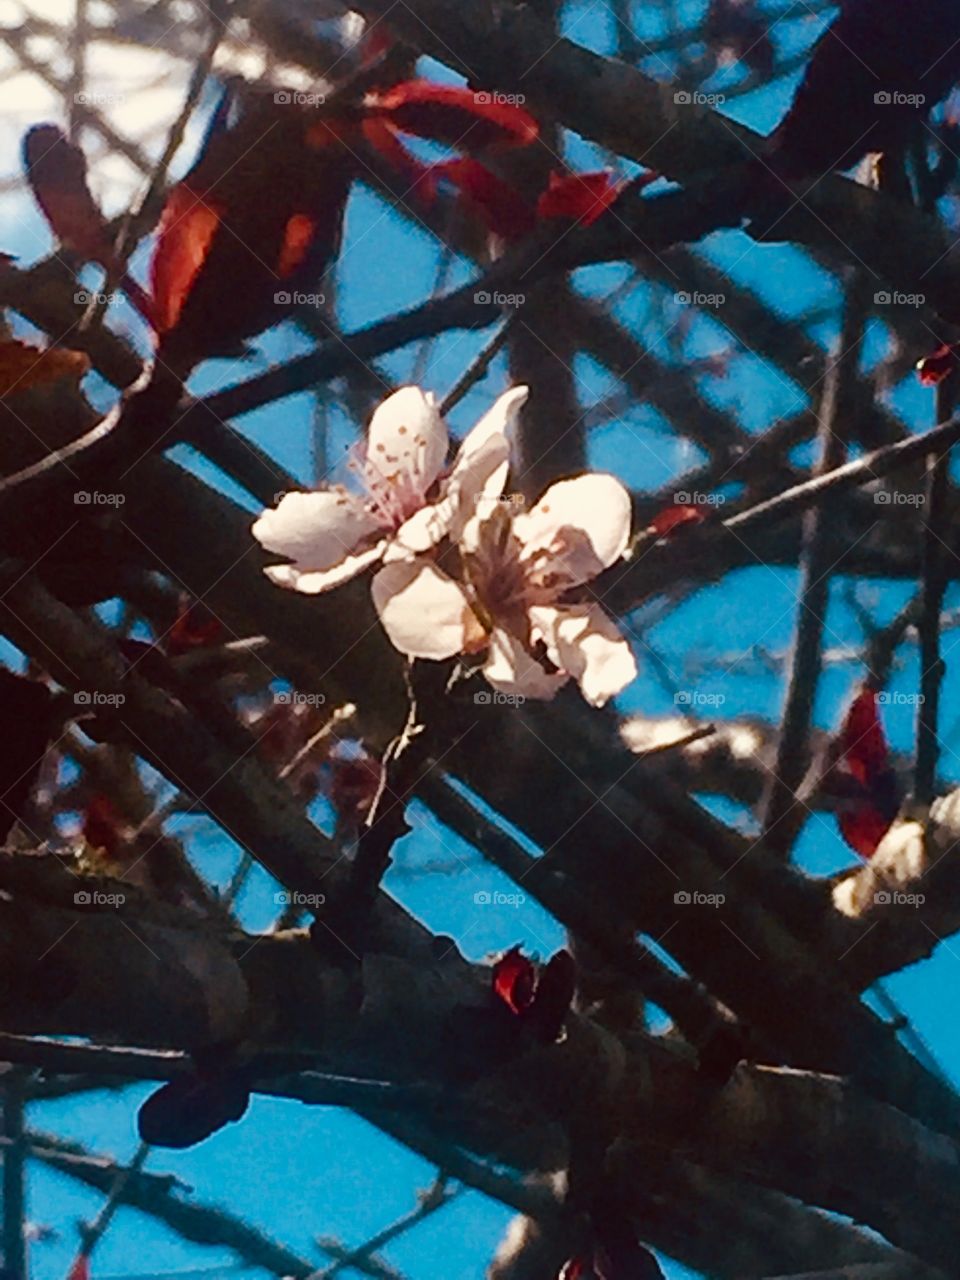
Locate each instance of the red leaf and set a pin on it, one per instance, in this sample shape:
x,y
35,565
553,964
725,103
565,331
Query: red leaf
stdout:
x,y
514,981
863,827
574,1269
57,173
184,237
667,522
934,368
863,743
501,207
578,197
297,238
864,756
79,1268
455,116
354,785
102,825
195,628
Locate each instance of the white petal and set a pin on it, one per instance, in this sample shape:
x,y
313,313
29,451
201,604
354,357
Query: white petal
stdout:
x,y
316,530
425,613
586,642
311,582
408,435
422,531
511,669
483,461
578,528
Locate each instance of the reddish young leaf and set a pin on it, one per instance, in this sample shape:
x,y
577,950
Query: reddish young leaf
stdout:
x,y
939,365
194,628
863,743
297,238
864,759
540,1001
79,1268
354,785
262,207
57,173
184,236
666,523
103,825
23,366
578,197
863,827
455,116
500,206
575,1269
514,981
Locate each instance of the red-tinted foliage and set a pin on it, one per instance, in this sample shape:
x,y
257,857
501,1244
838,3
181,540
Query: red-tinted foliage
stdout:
x,y
514,980
500,207
863,767
457,117
933,369
57,173
578,197
195,627
540,1001
103,825
666,523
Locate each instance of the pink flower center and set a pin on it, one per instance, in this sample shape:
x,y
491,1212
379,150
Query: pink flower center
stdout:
x,y
395,485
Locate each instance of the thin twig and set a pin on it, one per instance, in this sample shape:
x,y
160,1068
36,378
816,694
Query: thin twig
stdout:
x,y
436,1197
478,369
782,815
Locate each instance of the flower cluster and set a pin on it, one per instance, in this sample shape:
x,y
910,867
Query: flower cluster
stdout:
x,y
460,570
